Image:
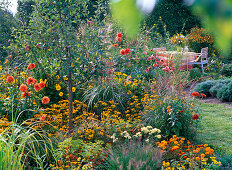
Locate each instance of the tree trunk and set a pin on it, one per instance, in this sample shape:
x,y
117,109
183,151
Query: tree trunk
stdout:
x,y
70,103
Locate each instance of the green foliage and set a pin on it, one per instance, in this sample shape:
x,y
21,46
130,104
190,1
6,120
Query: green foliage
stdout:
x,y
17,140
173,117
217,86
7,22
24,11
195,74
227,70
204,87
225,93
134,155
81,152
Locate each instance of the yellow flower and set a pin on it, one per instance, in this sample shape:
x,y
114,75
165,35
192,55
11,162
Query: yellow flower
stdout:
x,y
61,94
73,89
58,87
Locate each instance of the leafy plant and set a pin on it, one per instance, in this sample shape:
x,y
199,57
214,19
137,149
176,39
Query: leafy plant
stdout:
x,y
173,116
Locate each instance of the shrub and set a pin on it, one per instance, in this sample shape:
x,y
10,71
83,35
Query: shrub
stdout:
x,y
227,70
219,84
195,74
204,87
225,93
172,116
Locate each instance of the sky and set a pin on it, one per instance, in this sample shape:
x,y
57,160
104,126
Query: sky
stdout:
x,y
13,5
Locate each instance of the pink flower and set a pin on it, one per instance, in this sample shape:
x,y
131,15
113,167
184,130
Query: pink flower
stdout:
x,y
166,69
152,57
165,64
145,52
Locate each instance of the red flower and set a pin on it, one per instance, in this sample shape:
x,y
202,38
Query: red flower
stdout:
x,y
195,94
23,88
32,66
203,95
181,111
115,45
10,79
30,81
122,52
119,35
26,94
127,51
42,84
45,100
195,116
43,117
119,39
37,87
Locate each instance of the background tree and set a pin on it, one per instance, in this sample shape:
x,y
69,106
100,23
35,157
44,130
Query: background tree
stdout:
x,y
7,22
65,43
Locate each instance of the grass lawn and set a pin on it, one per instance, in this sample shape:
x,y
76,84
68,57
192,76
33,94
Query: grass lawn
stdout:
x,y
216,127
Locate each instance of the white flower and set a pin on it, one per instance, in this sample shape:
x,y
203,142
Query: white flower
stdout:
x,y
145,129
149,127
138,134
158,136
154,130
147,140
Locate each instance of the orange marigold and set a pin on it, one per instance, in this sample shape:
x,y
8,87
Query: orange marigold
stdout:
x,y
119,35
32,66
43,117
10,79
119,39
122,52
42,84
23,88
30,81
45,100
37,87
195,116
195,94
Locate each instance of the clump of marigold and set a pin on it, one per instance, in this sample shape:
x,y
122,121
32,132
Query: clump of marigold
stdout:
x,y
45,100
195,94
23,88
10,79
